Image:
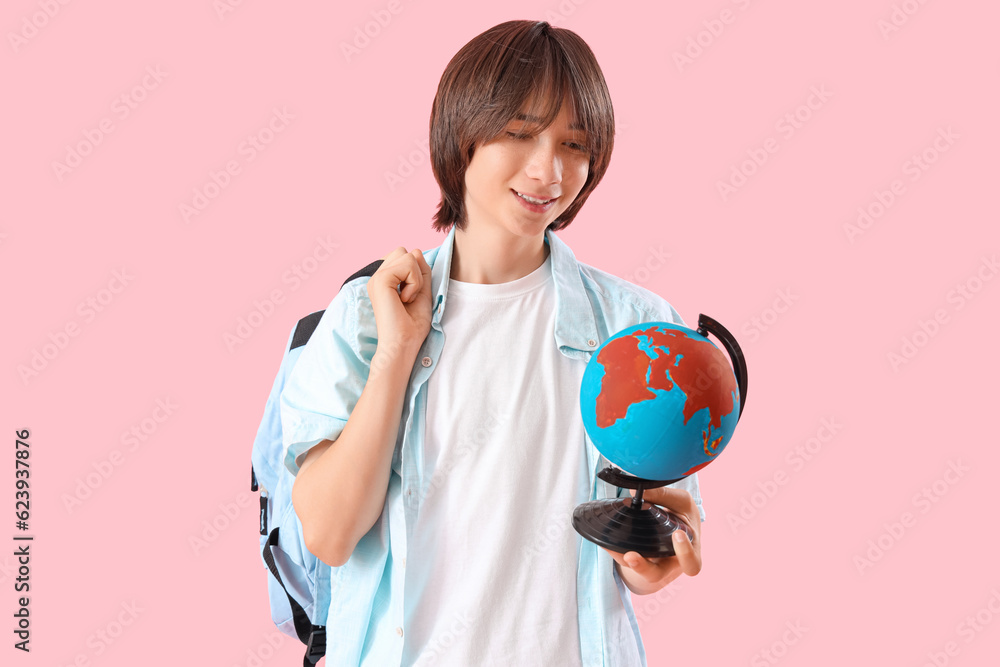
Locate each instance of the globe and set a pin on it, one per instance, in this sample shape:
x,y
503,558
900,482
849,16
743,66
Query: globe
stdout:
x,y
659,400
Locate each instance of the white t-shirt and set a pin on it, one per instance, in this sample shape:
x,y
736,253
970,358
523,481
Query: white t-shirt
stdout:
x,y
504,448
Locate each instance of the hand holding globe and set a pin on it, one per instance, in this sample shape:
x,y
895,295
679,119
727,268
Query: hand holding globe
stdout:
x,y
645,575
660,401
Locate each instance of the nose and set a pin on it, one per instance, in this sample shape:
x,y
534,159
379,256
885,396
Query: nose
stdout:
x,y
544,163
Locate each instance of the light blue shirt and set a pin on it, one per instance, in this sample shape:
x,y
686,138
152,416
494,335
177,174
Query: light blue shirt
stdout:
x,y
367,611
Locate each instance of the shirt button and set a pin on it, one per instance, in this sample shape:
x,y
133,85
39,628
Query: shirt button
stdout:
x,y
399,631
404,562
591,342
426,361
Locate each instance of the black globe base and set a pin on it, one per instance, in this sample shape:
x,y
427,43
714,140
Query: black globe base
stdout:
x,y
624,524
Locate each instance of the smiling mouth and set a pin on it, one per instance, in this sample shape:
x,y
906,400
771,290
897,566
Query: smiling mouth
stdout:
x,y
533,200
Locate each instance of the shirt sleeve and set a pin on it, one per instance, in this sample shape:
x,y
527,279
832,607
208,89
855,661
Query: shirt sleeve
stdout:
x,y
329,376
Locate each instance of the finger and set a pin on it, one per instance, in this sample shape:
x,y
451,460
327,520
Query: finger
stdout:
x,y
418,276
688,557
635,562
392,255
379,278
418,254
678,501
425,271
619,557
402,273
644,567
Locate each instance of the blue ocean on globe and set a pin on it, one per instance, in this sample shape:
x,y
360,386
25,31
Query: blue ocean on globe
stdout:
x,y
659,400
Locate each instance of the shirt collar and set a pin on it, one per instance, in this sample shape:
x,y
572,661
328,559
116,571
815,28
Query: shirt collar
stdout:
x,y
576,325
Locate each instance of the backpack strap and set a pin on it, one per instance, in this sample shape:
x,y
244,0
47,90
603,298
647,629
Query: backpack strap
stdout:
x,y
304,329
367,271
313,636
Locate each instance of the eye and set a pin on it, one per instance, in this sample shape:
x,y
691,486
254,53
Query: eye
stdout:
x,y
526,134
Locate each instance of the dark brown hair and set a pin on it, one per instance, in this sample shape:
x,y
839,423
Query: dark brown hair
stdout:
x,y
489,81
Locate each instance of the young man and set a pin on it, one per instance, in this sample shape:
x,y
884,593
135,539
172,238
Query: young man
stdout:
x,y
433,417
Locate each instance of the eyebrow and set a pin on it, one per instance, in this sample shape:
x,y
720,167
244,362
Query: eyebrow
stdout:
x,y
536,119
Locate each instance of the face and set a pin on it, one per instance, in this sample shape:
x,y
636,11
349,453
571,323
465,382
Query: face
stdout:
x,y
550,164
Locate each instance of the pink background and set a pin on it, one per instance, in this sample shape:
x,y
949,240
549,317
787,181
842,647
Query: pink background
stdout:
x,y
844,549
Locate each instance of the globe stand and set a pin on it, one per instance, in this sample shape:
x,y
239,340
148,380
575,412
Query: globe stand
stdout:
x,y
623,525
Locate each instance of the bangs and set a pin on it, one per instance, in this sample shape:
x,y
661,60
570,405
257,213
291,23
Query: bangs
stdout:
x,y
531,76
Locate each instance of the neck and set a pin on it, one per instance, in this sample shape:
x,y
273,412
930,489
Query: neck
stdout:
x,y
490,260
